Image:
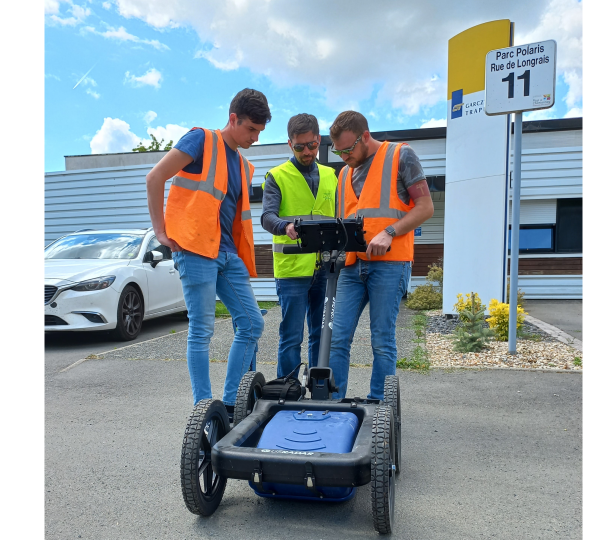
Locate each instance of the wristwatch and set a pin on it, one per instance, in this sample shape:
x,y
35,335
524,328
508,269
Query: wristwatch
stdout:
x,y
391,231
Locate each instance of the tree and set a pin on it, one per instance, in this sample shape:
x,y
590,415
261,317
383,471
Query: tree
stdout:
x,y
153,146
470,335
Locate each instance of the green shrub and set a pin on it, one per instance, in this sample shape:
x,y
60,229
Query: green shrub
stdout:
x,y
463,305
498,319
520,294
471,336
428,296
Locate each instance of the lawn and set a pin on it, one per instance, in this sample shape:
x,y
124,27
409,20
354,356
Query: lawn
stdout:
x,y
222,313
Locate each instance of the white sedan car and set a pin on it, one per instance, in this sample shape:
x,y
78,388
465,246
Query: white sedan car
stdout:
x,y
109,279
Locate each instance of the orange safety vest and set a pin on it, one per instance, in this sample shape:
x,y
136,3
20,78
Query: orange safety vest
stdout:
x,y
194,202
379,203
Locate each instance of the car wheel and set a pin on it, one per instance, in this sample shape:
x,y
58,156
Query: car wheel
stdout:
x,y
130,313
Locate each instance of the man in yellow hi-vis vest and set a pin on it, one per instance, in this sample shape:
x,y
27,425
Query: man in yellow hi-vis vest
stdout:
x,y
300,187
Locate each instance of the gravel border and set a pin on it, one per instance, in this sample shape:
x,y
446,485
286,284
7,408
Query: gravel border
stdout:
x,y
531,355
550,352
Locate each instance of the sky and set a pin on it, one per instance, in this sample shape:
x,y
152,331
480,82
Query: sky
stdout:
x,y
117,71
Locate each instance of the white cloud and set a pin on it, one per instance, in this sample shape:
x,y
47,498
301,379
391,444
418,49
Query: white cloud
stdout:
x,y
106,5
434,123
563,22
545,114
324,125
152,77
51,76
573,78
149,117
115,135
95,95
376,50
121,34
79,13
51,7
575,112
171,132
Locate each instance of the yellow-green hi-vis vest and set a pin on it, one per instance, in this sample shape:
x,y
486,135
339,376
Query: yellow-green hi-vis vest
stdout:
x,y
297,200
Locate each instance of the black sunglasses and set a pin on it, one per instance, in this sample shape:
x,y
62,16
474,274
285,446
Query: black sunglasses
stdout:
x,y
346,150
310,145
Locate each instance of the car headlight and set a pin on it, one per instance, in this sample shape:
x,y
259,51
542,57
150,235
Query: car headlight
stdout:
x,y
96,284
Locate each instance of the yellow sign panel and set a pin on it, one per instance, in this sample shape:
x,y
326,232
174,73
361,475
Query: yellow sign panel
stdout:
x,y
467,51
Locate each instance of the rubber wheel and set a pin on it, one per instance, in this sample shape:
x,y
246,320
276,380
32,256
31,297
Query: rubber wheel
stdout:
x,y
383,482
391,397
202,489
249,391
130,312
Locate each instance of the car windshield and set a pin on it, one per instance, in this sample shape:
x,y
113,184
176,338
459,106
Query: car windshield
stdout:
x,y
95,246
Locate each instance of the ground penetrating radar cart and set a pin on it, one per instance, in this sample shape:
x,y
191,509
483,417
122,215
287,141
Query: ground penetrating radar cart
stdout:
x,y
287,444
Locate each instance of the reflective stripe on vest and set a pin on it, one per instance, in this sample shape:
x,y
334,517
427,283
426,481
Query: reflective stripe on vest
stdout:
x,y
208,186
194,202
381,212
296,197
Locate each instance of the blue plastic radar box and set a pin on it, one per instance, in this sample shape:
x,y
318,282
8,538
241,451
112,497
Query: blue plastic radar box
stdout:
x,y
310,431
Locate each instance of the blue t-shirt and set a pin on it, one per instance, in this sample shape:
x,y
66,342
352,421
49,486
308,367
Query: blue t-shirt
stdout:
x,y
192,143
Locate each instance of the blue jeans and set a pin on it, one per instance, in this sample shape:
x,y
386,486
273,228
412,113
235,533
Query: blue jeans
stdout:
x,y
299,297
202,279
382,284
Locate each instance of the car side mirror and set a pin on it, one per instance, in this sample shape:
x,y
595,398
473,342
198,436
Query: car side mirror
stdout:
x,y
153,257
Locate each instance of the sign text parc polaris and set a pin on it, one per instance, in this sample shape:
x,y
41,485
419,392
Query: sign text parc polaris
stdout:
x,y
520,78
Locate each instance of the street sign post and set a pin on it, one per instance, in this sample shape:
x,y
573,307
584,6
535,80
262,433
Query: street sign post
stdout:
x,y
518,79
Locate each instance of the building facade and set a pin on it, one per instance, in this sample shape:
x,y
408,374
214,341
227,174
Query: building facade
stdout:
x,y
105,191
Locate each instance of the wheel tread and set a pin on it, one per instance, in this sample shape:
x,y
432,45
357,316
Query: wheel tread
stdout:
x,y
380,456
391,397
188,469
240,410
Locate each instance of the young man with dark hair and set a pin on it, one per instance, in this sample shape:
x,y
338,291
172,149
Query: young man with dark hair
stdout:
x,y
208,226
300,187
384,182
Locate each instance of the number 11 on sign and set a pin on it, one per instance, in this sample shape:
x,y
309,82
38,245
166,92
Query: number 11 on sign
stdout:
x,y
510,79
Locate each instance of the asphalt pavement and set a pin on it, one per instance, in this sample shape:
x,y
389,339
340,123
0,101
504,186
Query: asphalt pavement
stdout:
x,y
485,454
64,348
567,315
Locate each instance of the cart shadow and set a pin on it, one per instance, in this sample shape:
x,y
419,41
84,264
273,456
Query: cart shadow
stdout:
x,y
332,520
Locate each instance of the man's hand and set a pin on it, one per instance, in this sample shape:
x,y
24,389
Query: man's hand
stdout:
x,y
166,241
379,244
290,231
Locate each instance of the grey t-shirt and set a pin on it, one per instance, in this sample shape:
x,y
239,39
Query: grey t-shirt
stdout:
x,y
409,173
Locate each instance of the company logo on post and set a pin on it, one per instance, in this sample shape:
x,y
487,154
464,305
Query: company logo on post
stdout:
x,y
540,101
457,103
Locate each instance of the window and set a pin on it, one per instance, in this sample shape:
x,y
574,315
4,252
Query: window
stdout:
x,y
154,245
95,246
535,239
564,237
569,226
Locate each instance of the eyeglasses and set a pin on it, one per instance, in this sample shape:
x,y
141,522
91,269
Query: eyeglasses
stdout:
x,y
346,150
310,145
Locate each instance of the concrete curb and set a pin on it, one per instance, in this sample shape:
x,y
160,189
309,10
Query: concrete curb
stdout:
x,y
482,368
556,333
